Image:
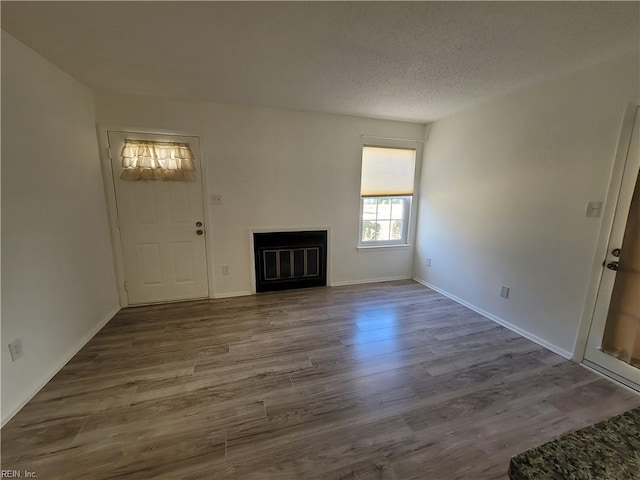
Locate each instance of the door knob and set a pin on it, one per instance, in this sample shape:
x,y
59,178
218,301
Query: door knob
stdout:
x,y
199,232
612,266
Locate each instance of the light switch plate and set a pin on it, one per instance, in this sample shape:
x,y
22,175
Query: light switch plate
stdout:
x,y
15,348
594,209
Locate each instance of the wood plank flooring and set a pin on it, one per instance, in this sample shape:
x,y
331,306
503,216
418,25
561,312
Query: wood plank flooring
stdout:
x,y
379,381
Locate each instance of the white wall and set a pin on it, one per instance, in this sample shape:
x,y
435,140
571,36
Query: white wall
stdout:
x,y
504,190
275,169
57,265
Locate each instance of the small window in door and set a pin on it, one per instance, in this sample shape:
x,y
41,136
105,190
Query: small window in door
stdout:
x,y
149,160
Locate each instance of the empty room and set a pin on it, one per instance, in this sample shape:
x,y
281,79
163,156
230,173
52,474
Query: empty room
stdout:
x,y
320,240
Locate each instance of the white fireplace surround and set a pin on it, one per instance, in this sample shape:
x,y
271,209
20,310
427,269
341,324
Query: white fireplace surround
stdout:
x,y
287,229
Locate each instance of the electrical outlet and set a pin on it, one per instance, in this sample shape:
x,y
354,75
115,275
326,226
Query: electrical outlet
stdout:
x,y
428,262
504,291
216,199
15,348
225,269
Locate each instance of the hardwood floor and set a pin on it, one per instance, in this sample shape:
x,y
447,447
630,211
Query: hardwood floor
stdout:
x,y
380,381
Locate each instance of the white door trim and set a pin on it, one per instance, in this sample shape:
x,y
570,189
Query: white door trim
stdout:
x,y
615,184
112,210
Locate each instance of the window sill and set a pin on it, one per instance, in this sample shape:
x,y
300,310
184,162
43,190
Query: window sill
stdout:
x,y
370,248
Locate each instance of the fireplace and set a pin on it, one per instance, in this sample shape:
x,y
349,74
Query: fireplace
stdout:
x,y
287,260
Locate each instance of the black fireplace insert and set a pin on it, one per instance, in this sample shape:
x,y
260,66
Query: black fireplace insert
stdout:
x,y
287,260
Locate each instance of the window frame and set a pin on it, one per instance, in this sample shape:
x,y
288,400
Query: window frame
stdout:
x,y
406,218
410,218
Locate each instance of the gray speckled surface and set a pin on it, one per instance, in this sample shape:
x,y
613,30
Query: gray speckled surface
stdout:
x,y
609,450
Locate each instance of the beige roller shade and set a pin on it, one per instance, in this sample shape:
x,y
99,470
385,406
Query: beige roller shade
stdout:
x,y
387,171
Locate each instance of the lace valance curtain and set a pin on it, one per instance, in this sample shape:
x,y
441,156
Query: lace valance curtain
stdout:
x,y
165,161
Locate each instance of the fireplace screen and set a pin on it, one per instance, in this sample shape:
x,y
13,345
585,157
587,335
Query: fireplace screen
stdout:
x,y
291,263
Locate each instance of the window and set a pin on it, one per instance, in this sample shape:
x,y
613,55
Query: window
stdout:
x,y
383,219
147,160
386,190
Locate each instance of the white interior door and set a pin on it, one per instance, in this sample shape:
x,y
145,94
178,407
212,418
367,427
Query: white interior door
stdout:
x,y
617,304
162,229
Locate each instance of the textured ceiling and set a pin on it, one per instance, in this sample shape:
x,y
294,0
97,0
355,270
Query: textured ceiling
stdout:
x,y
415,61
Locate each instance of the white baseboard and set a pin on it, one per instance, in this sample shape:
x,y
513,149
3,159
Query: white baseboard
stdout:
x,y
332,284
232,294
57,367
368,280
543,343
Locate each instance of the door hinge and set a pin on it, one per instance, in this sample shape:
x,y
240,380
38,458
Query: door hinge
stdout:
x,y
124,284
108,151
